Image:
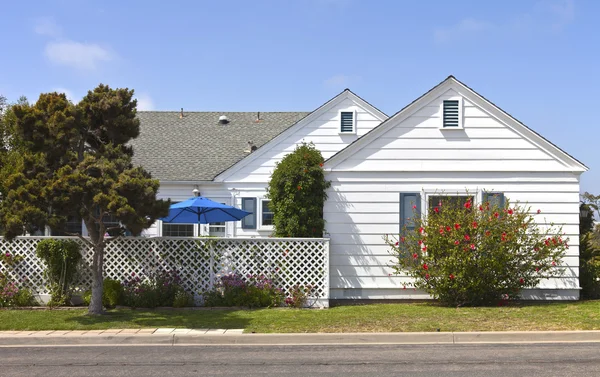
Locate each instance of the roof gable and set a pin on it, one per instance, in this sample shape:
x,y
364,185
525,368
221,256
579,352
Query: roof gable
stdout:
x,y
452,84
344,95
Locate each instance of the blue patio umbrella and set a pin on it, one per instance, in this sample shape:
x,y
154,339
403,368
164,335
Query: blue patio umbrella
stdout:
x,y
200,210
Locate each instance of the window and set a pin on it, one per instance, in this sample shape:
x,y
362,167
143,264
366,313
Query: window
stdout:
x,y
217,229
436,201
177,230
347,122
451,114
267,214
249,204
494,198
410,206
72,226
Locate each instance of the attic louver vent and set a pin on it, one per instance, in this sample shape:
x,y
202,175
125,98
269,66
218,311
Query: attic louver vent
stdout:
x,y
347,123
451,113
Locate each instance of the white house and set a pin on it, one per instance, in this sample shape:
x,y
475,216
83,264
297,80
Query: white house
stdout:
x,y
450,139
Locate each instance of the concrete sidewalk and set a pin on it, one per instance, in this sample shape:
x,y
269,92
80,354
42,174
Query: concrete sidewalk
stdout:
x,y
173,337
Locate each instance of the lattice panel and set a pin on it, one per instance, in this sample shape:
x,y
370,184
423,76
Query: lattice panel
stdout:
x,y
199,261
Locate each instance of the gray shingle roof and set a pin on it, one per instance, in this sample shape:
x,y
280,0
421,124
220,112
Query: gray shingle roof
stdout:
x,y
198,147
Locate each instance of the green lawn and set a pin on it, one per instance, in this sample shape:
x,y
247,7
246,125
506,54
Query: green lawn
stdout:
x,y
582,315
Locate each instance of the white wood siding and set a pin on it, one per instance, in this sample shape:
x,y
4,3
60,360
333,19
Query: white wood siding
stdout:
x,y
415,155
323,131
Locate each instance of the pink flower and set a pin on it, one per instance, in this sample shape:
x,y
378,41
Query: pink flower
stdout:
x,y
420,242
467,237
457,226
448,228
424,248
441,230
521,281
421,230
539,211
427,276
456,242
553,263
451,276
488,233
437,210
468,204
475,224
481,208
414,207
496,214
415,255
510,211
472,246
396,243
425,266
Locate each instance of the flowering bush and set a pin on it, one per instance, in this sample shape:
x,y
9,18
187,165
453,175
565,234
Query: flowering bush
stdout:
x,y
253,291
467,255
298,296
9,259
154,289
11,295
61,258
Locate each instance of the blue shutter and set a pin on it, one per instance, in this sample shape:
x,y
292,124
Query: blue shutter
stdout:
x,y
347,121
494,198
249,204
451,118
407,201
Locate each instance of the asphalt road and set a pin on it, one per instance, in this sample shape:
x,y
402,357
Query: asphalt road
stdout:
x,y
581,359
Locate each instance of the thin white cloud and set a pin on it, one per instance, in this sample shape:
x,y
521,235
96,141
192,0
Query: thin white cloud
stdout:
x,y
561,12
546,16
67,92
144,102
47,27
81,56
467,26
340,81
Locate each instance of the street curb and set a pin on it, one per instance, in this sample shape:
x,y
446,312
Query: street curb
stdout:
x,y
515,337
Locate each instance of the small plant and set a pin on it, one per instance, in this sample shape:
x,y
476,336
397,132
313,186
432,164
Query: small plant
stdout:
x,y
467,255
61,258
298,296
11,295
159,288
183,299
9,259
253,291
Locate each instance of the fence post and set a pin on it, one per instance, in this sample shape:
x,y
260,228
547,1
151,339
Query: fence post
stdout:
x,y
326,275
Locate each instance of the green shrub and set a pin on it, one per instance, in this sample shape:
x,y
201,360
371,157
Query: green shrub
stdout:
x,y
253,292
11,295
476,256
155,289
297,191
112,294
61,258
183,299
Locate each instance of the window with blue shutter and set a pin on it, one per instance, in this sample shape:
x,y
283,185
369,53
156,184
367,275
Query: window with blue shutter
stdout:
x,y
347,122
249,204
494,198
451,113
407,211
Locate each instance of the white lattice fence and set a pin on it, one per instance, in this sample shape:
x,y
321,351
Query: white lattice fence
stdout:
x,y
199,261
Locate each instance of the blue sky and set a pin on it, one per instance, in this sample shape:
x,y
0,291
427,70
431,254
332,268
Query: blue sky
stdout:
x,y
538,60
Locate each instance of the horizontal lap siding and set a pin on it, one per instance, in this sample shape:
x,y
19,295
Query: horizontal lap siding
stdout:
x,y
359,215
416,156
322,131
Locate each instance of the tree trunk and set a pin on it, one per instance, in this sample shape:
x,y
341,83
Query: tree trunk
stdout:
x,y
98,280
97,238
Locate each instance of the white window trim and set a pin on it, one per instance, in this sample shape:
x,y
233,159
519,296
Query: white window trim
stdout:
x,y
426,194
259,219
205,230
460,114
353,122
